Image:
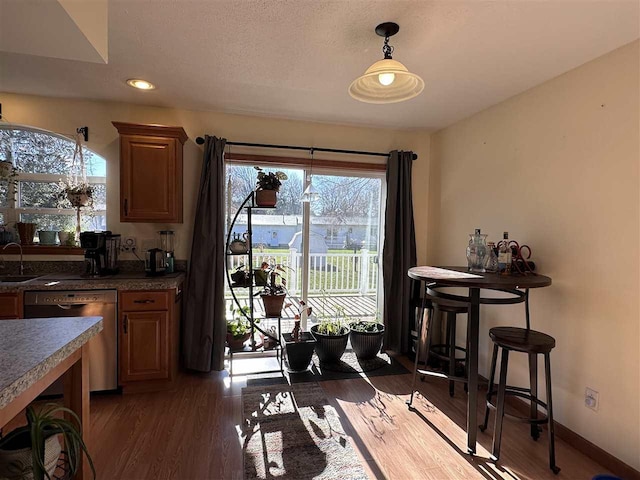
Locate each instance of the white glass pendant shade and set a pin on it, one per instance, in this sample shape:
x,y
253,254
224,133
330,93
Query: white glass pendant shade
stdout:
x,y
310,194
386,81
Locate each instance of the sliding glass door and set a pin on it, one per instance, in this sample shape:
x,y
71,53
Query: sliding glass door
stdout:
x,y
329,248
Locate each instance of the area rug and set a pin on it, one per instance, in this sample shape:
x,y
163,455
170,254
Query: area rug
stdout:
x,y
292,432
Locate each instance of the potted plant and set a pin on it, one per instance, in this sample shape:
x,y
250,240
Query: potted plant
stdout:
x,y
331,336
240,276
268,183
32,451
238,328
299,345
366,338
275,289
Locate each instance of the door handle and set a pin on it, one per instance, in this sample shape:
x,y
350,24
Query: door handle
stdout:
x,y
126,207
144,301
125,324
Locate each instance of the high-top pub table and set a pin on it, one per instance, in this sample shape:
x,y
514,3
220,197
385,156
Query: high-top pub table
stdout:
x,y
435,278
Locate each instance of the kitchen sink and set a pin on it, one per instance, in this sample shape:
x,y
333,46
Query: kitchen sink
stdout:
x,y
18,278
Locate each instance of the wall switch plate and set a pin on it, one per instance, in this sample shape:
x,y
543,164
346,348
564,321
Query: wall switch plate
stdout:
x,y
591,399
128,244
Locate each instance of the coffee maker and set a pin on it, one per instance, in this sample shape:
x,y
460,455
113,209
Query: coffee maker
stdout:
x,y
100,252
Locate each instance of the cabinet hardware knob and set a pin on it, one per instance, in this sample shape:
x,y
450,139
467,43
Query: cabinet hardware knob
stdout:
x,y
125,324
126,207
144,301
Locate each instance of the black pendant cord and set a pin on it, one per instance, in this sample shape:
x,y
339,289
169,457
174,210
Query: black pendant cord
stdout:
x,y
200,141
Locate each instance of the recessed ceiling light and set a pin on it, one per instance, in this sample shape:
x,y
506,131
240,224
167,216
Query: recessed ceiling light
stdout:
x,y
140,84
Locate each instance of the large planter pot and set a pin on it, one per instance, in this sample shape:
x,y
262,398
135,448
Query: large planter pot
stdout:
x,y
18,464
273,305
329,348
366,345
300,353
266,198
237,343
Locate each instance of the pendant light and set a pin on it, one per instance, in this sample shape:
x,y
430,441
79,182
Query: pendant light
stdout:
x,y
310,193
387,80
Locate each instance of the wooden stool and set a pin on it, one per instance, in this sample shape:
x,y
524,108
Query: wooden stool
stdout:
x,y
532,343
447,351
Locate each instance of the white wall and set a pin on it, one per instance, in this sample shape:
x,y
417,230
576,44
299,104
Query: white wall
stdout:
x,y
557,167
64,115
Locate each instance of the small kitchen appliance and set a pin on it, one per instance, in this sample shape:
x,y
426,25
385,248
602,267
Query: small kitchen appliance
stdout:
x,y
155,263
166,244
100,252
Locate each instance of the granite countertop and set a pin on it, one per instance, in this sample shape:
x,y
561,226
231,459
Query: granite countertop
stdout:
x,y
31,348
122,281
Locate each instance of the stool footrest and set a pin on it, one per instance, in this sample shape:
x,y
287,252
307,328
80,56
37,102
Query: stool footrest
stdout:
x,y
443,347
522,393
434,373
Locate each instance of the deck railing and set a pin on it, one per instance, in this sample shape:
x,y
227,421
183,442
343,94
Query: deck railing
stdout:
x,y
351,273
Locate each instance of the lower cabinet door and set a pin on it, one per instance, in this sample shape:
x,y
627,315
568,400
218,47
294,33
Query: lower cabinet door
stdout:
x,y
144,346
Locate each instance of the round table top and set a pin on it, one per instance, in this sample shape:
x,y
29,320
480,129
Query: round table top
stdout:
x,y
462,277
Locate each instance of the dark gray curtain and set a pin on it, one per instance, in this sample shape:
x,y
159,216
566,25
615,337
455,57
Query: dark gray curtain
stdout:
x,y
399,252
203,325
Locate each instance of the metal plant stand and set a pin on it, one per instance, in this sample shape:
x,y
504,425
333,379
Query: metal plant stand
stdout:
x,y
247,292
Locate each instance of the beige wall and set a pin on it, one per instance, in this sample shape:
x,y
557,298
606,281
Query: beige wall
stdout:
x,y
557,166
63,115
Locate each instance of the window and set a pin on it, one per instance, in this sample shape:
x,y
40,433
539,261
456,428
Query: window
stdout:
x,y
43,160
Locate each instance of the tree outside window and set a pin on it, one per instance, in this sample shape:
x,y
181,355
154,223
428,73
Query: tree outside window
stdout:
x,y
43,160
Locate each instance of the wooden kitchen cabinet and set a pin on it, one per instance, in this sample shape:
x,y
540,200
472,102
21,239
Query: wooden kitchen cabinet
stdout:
x,y
150,172
148,330
10,305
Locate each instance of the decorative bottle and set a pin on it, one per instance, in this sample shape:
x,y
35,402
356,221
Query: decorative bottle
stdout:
x,y
504,255
492,258
477,251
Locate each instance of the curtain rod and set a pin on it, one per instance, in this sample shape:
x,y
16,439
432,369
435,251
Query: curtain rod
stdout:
x,y
200,141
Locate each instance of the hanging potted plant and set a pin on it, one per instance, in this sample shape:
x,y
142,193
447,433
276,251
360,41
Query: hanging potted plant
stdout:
x,y
267,185
275,289
32,451
75,189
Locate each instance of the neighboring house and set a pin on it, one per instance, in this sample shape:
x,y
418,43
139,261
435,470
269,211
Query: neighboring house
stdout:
x,y
276,231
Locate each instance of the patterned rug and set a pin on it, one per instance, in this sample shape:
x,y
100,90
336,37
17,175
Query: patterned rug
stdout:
x,y
291,432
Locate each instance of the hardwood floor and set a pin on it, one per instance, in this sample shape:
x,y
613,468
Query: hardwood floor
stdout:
x,y
192,432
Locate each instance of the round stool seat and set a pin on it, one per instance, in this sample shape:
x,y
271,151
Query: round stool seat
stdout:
x,y
522,339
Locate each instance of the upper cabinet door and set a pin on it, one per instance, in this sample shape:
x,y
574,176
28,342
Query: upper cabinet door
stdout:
x,y
150,173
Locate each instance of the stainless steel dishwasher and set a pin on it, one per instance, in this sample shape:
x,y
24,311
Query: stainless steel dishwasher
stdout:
x,y
103,348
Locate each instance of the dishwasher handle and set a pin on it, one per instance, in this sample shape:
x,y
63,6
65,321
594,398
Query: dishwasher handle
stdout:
x,y
69,306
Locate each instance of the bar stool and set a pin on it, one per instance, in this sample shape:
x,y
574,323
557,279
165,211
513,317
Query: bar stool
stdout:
x,y
532,343
447,351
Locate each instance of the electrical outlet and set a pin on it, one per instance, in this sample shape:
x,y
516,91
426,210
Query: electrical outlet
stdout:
x,y
591,399
128,244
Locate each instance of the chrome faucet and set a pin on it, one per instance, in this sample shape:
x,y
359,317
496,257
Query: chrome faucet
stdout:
x,y
20,247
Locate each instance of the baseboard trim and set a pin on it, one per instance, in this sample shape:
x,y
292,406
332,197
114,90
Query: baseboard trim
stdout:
x,y
597,454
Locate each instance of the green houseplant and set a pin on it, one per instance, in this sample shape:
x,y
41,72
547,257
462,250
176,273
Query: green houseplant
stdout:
x,y
331,334
274,291
267,184
238,328
366,338
32,451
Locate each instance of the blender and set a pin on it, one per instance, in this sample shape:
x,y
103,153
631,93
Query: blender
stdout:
x,y
166,244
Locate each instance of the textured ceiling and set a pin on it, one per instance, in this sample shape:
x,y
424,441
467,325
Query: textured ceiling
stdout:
x,y
296,58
